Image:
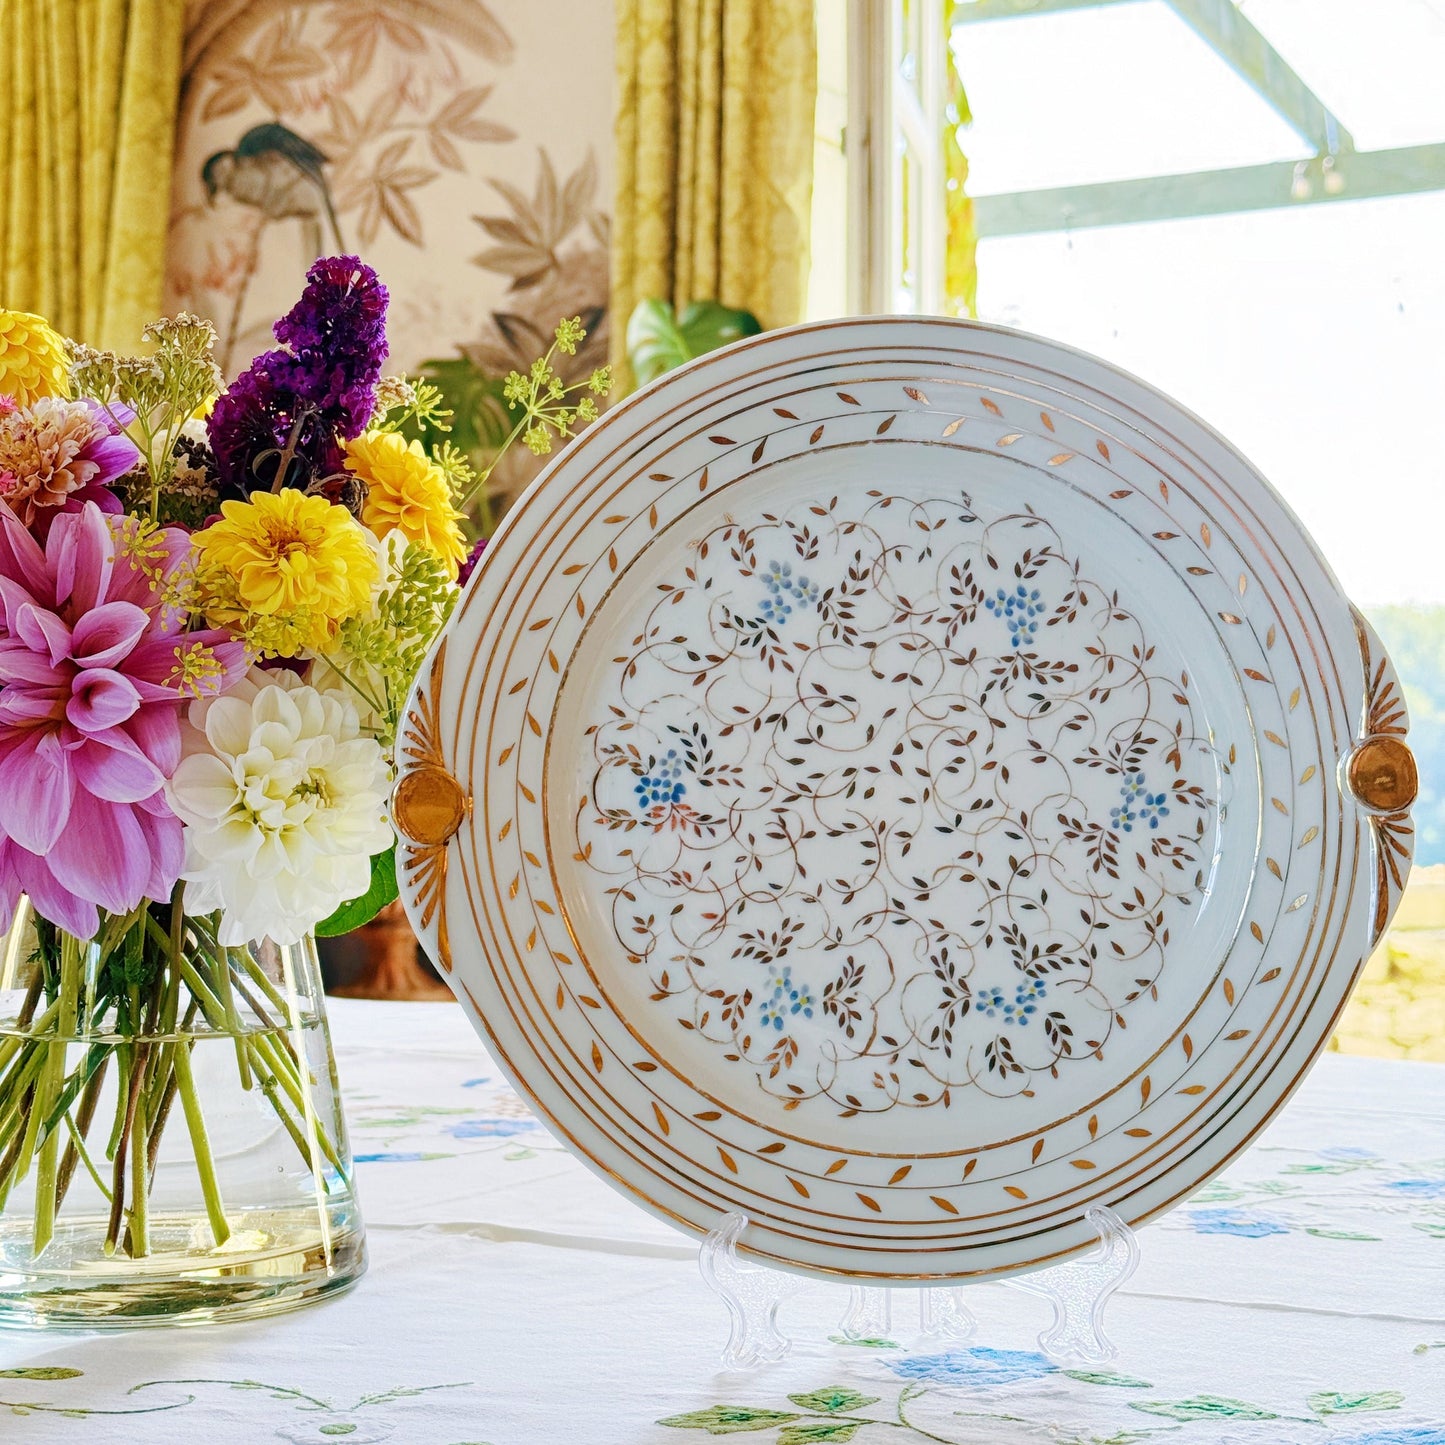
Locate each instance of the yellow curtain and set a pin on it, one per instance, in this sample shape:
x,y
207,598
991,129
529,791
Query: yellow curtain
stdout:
x,y
87,132
714,155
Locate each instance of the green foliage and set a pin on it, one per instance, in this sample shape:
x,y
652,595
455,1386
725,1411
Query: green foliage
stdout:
x,y
659,340
382,653
1108,1377
383,890
487,414
479,422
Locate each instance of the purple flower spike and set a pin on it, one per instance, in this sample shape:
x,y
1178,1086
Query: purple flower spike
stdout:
x,y
324,380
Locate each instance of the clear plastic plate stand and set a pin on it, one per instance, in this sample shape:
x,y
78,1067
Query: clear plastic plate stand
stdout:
x,y
1079,1291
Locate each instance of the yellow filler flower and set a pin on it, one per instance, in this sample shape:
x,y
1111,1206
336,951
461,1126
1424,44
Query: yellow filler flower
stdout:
x,y
284,571
32,358
408,493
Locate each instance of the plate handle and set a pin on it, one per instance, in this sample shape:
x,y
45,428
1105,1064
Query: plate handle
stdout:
x,y
1380,774
428,807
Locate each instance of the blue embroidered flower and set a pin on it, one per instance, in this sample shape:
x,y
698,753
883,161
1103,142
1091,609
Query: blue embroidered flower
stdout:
x,y
490,1128
1419,1188
787,999
662,782
1401,1435
978,1366
1026,1000
1132,810
1020,610
1233,1221
1344,1152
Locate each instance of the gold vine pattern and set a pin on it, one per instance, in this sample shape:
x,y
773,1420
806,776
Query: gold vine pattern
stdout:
x,y
958,936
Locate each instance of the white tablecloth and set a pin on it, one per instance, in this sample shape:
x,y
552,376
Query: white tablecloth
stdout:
x,y
513,1299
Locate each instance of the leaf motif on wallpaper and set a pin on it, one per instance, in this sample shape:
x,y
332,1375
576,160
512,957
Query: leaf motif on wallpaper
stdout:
x,y
381,194
458,120
532,236
273,75
349,133
359,30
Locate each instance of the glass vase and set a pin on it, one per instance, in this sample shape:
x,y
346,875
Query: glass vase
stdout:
x,y
172,1147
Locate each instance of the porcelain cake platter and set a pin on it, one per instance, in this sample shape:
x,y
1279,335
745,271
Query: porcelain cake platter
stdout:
x,y
907,782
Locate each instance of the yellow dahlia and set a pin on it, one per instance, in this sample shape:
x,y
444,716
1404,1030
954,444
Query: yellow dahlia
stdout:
x,y
408,493
284,571
32,358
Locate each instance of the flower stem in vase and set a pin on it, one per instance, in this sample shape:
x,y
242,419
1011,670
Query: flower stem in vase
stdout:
x,y
48,1104
138,1233
201,1145
76,1151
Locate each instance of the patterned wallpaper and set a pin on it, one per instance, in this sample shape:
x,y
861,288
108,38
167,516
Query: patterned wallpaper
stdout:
x,y
462,147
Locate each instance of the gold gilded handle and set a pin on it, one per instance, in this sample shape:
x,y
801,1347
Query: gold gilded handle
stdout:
x,y
428,806
1382,775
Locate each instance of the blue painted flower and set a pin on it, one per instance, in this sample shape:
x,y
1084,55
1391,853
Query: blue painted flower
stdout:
x,y
989,1002
786,1000
1233,1221
1139,805
1020,610
662,783
978,1366
1026,1000
785,592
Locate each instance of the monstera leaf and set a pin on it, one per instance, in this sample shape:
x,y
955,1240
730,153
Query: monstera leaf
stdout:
x,y
658,339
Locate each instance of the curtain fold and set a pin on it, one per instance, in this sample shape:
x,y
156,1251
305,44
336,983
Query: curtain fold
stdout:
x,y
714,135
87,138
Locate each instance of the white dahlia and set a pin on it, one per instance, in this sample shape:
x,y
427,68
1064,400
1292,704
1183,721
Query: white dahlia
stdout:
x,y
284,804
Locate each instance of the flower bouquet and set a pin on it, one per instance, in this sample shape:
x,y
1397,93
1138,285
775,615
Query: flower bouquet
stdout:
x,y
213,604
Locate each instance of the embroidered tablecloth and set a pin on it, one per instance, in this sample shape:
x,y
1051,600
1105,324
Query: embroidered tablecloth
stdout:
x,y
513,1299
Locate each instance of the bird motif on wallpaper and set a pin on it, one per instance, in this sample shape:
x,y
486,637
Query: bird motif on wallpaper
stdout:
x,y
280,174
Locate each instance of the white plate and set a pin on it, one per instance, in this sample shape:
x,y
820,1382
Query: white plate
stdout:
x,y
907,779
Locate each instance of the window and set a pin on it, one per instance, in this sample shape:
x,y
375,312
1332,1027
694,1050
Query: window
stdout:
x,y
1242,202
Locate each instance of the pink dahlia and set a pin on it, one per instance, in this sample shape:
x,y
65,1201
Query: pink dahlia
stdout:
x,y
94,668
57,455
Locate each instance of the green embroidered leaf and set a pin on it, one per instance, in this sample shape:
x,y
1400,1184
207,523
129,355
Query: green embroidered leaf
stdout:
x,y
1435,1231
866,1342
41,1372
340,1429
820,1432
832,1398
361,910
1344,1234
1333,1402
1216,1193
1108,1377
728,1419
1203,1407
